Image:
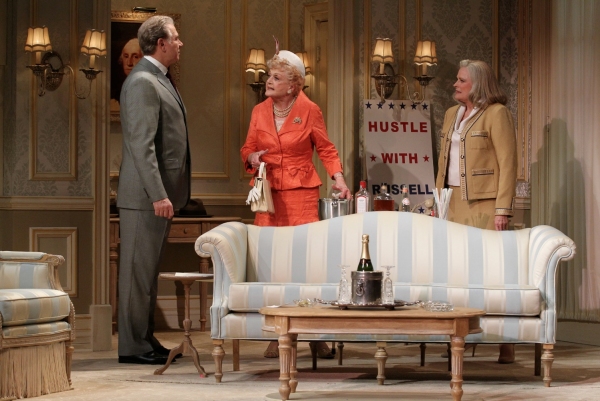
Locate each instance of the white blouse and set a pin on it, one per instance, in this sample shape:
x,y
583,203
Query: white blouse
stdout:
x,y
454,162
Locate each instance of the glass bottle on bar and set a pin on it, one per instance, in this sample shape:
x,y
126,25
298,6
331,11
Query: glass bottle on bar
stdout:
x,y
405,200
383,200
365,264
362,199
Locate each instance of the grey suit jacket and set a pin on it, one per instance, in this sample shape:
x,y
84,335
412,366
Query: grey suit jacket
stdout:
x,y
156,157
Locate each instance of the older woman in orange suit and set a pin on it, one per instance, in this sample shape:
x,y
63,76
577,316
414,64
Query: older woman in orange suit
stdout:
x,y
284,131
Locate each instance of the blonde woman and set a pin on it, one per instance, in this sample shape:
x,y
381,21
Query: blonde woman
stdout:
x,y
478,156
284,131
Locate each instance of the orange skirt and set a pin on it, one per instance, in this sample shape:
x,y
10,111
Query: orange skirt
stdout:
x,y
292,208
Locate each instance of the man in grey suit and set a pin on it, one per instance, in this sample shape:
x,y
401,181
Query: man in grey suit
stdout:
x,y
154,182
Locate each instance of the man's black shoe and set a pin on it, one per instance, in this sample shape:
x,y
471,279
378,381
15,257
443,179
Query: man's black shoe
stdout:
x,y
149,358
162,351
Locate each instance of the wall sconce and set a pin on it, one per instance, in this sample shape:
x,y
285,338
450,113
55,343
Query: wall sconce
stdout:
x,y
385,83
425,56
256,64
50,68
382,54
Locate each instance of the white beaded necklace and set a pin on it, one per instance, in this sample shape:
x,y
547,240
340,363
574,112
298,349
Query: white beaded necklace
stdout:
x,y
285,112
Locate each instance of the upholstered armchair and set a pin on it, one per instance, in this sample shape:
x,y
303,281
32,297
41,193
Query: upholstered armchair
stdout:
x,y
37,321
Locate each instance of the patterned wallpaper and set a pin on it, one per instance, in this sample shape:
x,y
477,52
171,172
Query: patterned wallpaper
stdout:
x,y
217,129
52,111
466,34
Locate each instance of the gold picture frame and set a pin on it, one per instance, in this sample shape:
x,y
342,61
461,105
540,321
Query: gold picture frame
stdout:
x,y
123,28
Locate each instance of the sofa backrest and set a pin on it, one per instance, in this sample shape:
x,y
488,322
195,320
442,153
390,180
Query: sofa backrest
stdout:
x,y
424,251
24,275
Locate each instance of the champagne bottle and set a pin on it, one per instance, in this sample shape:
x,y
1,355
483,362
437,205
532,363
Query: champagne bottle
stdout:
x,y
365,264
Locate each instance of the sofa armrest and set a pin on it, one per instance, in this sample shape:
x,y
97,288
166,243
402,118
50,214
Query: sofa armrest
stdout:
x,y
547,247
227,246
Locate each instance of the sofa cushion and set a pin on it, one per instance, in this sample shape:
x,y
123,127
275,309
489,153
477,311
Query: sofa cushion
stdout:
x,y
516,300
496,329
28,306
35,330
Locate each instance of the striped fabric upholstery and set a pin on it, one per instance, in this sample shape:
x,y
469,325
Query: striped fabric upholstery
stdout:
x,y
27,306
509,274
23,275
496,329
32,330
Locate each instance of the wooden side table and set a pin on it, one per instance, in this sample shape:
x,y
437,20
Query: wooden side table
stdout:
x,y
183,230
187,279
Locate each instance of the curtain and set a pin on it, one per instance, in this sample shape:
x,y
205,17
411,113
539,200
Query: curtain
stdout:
x,y
569,157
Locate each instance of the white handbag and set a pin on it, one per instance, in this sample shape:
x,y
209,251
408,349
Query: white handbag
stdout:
x,y
259,198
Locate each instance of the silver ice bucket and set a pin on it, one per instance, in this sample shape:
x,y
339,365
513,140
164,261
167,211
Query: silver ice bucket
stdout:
x,y
366,287
331,207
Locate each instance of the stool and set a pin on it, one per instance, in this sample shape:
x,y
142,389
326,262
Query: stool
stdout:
x,y
187,279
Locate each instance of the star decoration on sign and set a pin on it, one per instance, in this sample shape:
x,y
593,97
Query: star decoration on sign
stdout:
x,y
380,105
421,210
424,106
368,104
402,106
414,106
391,105
373,158
426,158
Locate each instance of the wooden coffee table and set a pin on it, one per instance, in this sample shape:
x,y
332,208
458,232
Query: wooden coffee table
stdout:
x,y
289,321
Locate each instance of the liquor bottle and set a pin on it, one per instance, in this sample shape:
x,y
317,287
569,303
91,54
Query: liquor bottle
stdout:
x,y
365,264
405,200
363,199
383,200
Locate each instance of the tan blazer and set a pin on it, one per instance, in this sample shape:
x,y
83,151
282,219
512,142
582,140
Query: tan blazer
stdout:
x,y
488,156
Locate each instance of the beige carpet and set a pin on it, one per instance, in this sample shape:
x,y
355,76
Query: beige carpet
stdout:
x,y
98,376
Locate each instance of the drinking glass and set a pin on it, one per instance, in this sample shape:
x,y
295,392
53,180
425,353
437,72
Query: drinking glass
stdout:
x,y
344,287
388,286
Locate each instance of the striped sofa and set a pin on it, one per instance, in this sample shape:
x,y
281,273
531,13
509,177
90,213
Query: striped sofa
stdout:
x,y
37,322
509,274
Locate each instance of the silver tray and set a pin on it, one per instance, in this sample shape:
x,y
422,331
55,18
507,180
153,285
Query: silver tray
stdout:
x,y
397,304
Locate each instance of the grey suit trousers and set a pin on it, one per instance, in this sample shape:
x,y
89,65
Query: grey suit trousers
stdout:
x,y
143,237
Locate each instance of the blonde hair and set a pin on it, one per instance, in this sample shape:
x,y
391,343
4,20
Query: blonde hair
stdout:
x,y
485,89
291,72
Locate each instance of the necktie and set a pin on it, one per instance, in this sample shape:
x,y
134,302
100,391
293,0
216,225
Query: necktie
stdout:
x,y
171,80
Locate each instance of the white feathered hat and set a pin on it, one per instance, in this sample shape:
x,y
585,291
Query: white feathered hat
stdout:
x,y
291,58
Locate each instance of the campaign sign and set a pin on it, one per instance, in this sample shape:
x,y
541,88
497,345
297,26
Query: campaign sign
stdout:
x,y
398,150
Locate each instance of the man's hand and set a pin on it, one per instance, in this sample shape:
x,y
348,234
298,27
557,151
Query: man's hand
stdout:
x,y
254,158
163,208
501,223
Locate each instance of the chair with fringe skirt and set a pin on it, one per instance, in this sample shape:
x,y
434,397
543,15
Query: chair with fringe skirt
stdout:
x,y
37,321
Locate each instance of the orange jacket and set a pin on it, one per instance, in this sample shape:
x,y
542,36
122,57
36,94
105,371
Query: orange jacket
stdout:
x,y
289,160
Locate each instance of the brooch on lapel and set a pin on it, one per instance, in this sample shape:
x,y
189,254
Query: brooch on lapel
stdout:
x,y
297,120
